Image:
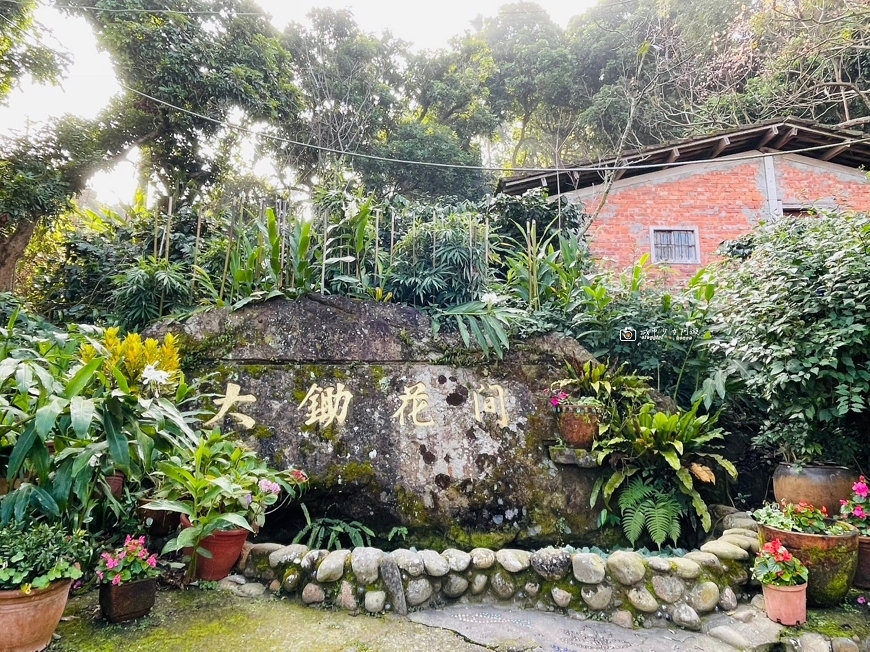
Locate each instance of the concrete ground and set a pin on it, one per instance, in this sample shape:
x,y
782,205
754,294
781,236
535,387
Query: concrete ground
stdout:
x,y
195,620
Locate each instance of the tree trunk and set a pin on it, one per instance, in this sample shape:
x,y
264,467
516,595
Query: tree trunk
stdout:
x,y
11,250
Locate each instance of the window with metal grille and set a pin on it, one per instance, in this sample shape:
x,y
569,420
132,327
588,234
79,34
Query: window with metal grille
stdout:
x,y
674,245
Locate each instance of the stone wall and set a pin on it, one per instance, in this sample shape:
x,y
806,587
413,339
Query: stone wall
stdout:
x,y
396,426
623,586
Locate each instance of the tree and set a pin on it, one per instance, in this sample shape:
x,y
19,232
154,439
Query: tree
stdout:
x,y
20,54
201,65
350,91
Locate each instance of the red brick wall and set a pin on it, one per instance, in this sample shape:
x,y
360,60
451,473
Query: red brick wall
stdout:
x,y
723,200
812,182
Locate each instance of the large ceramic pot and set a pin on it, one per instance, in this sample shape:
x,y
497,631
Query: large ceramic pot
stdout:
x,y
128,600
831,560
862,574
786,605
158,522
819,485
225,547
28,620
579,426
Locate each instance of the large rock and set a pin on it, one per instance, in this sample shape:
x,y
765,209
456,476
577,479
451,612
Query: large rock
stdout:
x,y
704,597
364,563
418,591
458,560
454,586
686,617
551,563
597,597
435,564
332,567
642,600
291,554
626,567
396,426
668,588
514,561
392,579
502,585
588,567
409,561
482,558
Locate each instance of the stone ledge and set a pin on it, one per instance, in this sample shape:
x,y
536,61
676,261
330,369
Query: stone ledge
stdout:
x,y
679,589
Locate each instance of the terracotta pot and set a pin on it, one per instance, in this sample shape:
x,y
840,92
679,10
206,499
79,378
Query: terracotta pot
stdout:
x,y
28,621
831,560
786,605
116,483
579,427
862,574
158,522
225,547
128,600
819,485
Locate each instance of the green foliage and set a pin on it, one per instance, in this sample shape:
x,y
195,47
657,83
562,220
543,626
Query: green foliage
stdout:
x,y
440,262
794,317
775,566
676,448
128,563
800,518
644,505
64,390
326,533
32,556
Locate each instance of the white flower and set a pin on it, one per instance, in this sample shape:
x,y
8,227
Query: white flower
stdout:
x,y
153,375
490,299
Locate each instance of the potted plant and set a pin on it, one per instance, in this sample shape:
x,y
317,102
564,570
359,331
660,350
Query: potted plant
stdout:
x,y
856,511
128,584
828,548
222,491
38,562
578,415
784,583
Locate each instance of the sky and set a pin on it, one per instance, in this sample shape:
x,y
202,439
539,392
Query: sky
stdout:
x,y
90,81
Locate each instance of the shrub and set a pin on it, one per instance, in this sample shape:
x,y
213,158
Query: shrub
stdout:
x,y
794,317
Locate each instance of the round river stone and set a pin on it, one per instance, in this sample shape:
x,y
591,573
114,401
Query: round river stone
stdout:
x,y
626,567
588,568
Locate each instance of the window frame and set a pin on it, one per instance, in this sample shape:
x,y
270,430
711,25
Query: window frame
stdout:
x,y
652,245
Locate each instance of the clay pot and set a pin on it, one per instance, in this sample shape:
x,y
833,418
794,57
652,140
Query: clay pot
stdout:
x,y
128,600
786,605
579,426
225,547
819,485
831,560
116,483
158,522
29,620
862,573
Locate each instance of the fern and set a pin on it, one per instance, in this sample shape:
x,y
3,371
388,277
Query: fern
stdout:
x,y
649,506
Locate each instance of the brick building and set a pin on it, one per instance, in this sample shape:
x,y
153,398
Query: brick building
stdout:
x,y
679,201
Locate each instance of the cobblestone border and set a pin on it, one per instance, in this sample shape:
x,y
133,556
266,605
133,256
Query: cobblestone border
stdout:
x,y
624,587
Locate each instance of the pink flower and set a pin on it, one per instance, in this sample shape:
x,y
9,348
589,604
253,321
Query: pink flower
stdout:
x,y
128,540
862,599
111,563
116,580
100,575
858,511
860,488
152,561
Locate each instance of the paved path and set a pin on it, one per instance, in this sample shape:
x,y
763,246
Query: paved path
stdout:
x,y
515,630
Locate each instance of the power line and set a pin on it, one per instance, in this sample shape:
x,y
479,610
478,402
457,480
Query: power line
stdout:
x,y
149,11
481,168
456,166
